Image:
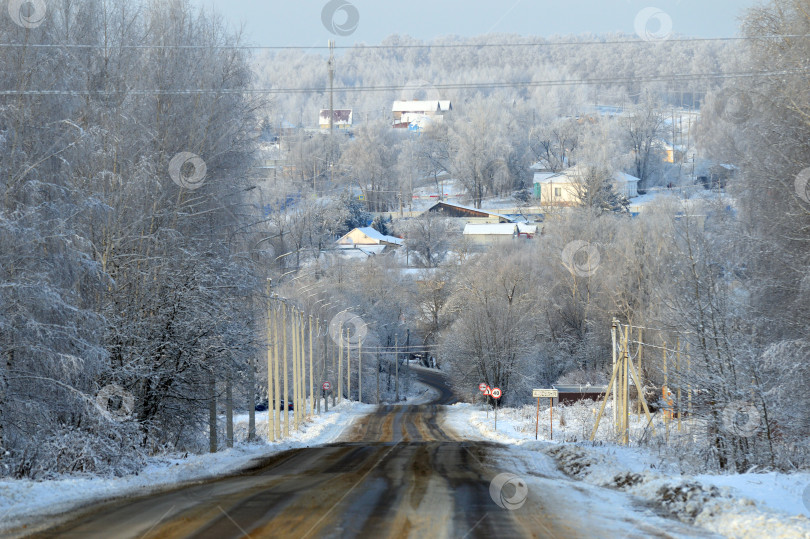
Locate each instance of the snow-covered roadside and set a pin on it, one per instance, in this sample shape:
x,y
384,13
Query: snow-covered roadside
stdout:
x,y
741,505
23,501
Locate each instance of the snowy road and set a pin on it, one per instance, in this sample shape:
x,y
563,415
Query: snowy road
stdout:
x,y
399,473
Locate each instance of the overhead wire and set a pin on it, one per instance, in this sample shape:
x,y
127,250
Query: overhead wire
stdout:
x,y
631,40
390,88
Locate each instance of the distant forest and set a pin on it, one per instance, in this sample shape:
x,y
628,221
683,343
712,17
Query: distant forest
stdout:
x,y
455,68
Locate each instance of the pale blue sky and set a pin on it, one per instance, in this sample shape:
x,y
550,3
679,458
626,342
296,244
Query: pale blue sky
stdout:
x,y
299,22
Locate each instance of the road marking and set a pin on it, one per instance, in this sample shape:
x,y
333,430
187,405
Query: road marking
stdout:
x,y
349,491
475,525
158,522
224,512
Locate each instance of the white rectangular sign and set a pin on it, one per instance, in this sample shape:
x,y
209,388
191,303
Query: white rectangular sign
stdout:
x,y
545,393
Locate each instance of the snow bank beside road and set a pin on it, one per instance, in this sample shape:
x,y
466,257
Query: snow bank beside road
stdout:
x,y
24,501
740,505
701,501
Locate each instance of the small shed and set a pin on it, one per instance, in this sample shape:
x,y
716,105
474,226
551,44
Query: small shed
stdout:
x,y
471,214
494,233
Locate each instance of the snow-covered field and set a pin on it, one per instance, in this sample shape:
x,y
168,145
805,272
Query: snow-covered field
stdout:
x,y
741,505
20,500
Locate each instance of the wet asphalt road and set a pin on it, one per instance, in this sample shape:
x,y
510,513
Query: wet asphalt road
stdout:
x,y
398,474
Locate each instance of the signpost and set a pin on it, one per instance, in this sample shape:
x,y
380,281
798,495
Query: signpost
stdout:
x,y
496,394
550,394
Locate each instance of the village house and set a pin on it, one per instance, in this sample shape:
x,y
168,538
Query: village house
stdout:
x,y
419,112
368,239
564,188
341,119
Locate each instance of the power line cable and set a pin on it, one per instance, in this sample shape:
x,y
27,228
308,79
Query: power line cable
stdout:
x,y
629,41
449,86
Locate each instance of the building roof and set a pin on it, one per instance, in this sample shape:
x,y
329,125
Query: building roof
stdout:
x,y
339,117
469,211
621,177
547,177
498,229
568,175
432,105
375,235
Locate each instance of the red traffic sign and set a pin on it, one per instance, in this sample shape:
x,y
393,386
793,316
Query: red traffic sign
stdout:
x,y
482,387
496,393
327,386
487,391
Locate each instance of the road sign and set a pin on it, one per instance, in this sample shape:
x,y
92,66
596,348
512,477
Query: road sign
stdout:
x,y
487,391
496,393
482,386
545,394
327,386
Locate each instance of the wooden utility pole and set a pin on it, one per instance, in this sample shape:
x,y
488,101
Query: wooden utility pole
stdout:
x,y
271,424
623,370
286,409
640,349
311,381
665,394
396,364
276,399
340,365
296,370
324,374
626,378
348,365
615,404
360,370
302,369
